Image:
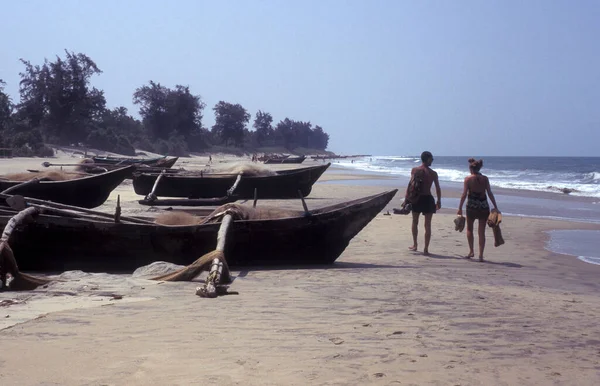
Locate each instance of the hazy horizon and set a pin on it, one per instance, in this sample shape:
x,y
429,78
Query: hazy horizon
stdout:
x,y
382,77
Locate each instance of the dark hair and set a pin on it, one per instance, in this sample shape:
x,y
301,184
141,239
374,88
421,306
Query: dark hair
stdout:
x,y
475,165
426,155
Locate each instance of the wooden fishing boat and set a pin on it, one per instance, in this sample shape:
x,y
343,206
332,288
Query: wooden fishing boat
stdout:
x,y
60,243
286,160
162,162
87,192
284,184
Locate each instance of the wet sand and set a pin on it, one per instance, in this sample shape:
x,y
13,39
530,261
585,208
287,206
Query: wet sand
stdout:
x,y
380,315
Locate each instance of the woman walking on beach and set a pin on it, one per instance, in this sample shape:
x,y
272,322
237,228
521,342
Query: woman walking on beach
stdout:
x,y
475,187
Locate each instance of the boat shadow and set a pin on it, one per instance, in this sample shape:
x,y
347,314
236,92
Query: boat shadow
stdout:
x,y
337,265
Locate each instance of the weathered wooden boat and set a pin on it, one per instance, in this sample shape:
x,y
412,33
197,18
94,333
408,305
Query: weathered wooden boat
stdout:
x,y
60,243
284,184
163,162
87,192
286,160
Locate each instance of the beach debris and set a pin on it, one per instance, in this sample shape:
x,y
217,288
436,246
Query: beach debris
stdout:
x,y
562,190
336,341
10,302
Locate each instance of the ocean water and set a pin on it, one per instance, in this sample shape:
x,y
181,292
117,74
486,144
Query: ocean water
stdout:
x,y
547,174
580,243
540,179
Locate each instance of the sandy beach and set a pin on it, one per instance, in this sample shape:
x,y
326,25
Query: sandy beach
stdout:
x,y
380,315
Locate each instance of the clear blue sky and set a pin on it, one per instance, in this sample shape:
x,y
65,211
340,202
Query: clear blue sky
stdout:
x,y
382,77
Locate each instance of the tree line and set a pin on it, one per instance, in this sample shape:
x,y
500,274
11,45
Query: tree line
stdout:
x,y
58,105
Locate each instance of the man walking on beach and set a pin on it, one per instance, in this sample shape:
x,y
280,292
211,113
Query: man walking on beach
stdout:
x,y
425,203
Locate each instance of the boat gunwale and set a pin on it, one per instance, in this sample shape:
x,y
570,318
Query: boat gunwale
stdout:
x,y
83,178
316,214
289,172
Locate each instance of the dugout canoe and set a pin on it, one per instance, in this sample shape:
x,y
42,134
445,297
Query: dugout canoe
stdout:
x,y
86,192
56,243
287,160
285,184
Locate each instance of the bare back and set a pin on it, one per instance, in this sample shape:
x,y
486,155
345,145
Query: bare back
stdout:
x,y
429,176
477,184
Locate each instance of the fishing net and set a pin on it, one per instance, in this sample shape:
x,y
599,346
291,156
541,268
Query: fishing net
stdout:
x,y
239,212
247,169
50,175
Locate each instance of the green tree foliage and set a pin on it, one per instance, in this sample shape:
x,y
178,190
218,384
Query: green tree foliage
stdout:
x,y
263,127
230,123
292,134
5,108
57,98
320,139
172,115
59,105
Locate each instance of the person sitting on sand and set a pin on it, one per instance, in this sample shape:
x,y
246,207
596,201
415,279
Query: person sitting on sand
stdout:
x,y
425,203
475,187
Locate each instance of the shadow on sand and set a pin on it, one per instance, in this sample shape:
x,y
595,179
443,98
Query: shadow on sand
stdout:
x,y
476,260
337,265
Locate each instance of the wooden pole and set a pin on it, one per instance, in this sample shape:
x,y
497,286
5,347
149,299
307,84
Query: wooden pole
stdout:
x,y
53,207
218,266
152,196
118,209
235,185
306,212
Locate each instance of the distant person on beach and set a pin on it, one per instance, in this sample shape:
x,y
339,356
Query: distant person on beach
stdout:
x,y
425,203
209,159
475,187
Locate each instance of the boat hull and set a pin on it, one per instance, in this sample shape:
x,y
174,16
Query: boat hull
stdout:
x,y
287,160
53,243
86,192
283,185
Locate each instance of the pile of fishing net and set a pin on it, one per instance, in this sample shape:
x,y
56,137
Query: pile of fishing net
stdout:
x,y
49,175
239,212
247,169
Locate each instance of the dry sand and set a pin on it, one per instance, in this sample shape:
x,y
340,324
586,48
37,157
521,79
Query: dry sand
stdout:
x,y
380,315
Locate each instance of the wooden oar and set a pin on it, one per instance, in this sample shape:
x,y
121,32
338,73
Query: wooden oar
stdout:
x,y
91,164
